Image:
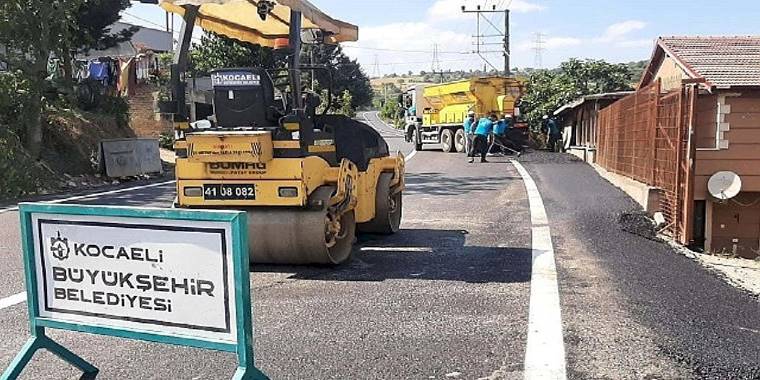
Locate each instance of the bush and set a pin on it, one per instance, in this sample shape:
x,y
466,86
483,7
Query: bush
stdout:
x,y
166,141
117,107
391,112
19,174
14,97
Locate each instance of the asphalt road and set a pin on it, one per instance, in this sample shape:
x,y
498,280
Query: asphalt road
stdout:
x,y
449,296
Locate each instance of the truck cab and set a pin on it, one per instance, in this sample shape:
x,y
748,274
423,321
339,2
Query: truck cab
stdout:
x,y
413,104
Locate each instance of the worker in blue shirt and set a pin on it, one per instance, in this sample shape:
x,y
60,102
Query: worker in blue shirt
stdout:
x,y
502,126
468,131
480,142
501,135
553,133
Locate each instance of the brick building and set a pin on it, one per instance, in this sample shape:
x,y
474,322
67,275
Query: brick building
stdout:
x,y
696,113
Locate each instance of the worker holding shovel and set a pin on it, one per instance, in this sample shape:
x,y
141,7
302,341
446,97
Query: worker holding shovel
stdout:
x,y
469,131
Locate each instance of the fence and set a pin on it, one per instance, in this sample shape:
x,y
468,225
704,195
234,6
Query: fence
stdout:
x,y
645,136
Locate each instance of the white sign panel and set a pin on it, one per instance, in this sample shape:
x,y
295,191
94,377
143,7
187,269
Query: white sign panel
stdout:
x,y
169,277
235,78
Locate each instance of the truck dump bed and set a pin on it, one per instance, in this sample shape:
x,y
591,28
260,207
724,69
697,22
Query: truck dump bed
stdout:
x,y
450,102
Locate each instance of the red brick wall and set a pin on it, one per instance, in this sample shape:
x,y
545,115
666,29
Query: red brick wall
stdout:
x,y
143,119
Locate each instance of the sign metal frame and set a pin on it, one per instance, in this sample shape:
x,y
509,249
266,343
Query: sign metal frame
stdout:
x,y
242,304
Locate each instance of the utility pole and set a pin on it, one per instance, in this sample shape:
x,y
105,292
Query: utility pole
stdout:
x,y
538,47
436,65
376,68
507,47
484,40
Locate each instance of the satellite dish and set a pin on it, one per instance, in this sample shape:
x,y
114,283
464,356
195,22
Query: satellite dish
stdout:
x,y
724,185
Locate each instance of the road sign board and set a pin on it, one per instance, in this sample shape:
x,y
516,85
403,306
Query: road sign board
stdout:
x,y
173,277
168,276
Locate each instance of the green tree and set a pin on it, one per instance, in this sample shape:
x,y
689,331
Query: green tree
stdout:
x,y
340,72
346,108
94,19
548,90
31,31
218,52
346,74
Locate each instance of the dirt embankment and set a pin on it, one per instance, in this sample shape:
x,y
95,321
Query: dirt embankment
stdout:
x,y
71,139
69,154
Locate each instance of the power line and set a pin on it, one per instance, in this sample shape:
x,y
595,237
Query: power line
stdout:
x,y
483,40
144,20
401,50
196,39
420,62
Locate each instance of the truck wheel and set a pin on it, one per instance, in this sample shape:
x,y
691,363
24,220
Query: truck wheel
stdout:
x,y
447,140
415,141
460,140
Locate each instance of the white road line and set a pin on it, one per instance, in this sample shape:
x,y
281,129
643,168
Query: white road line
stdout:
x,y
545,352
396,249
387,128
87,196
12,300
409,156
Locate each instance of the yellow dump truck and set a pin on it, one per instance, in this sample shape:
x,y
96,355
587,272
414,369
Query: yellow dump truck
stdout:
x,y
435,113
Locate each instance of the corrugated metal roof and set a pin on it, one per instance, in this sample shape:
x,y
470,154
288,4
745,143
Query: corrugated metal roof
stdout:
x,y
122,50
153,39
580,101
721,61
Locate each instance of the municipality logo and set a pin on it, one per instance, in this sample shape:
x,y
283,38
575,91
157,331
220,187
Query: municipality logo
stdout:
x,y
59,247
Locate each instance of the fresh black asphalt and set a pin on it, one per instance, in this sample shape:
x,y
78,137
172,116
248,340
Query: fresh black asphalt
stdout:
x,y
632,307
449,294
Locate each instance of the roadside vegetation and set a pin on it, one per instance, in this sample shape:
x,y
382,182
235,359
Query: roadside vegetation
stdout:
x,y
547,90
41,124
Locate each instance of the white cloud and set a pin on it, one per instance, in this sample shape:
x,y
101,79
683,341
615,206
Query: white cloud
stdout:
x,y
618,31
642,43
444,10
551,43
521,6
410,36
560,42
615,36
400,47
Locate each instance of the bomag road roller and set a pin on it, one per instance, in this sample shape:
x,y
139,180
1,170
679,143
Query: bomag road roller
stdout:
x,y
309,181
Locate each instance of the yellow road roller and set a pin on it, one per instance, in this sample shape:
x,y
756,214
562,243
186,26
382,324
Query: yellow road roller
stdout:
x,y
309,181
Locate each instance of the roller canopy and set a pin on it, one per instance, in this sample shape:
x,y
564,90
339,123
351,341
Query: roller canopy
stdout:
x,y
239,19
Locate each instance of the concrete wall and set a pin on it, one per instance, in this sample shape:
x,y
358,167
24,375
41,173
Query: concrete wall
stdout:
x,y
646,196
143,119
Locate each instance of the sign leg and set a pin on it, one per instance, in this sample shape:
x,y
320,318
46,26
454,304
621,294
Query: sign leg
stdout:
x,y
62,352
244,373
43,342
22,359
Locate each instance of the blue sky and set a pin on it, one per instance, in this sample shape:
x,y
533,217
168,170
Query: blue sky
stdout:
x,y
614,30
